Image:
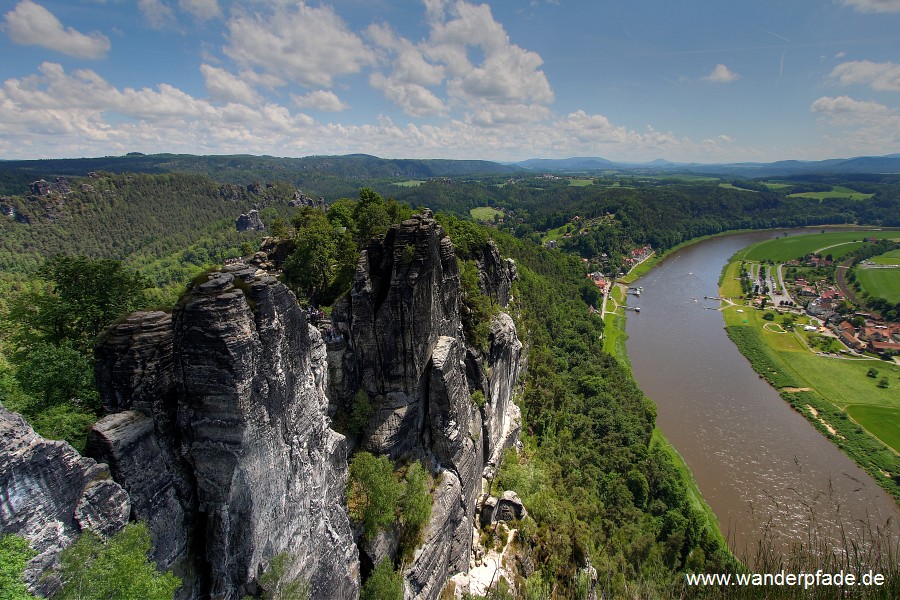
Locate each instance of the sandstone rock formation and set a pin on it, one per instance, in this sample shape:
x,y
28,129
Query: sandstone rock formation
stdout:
x,y
49,494
222,437
218,424
406,350
249,221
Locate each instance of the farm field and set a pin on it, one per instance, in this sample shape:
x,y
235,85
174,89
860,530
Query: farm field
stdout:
x,y
777,186
880,283
888,258
484,213
729,186
580,182
880,420
836,192
788,248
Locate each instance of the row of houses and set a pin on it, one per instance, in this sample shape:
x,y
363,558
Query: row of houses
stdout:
x,y
874,336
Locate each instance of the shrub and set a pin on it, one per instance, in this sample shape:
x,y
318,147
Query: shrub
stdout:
x,y
372,492
383,584
14,555
117,568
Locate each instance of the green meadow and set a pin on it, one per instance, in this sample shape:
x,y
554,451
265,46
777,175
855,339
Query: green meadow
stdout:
x,y
580,182
880,283
484,213
837,191
788,248
879,420
888,258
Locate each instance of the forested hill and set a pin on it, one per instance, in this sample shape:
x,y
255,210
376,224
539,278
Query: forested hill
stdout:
x,y
323,175
167,225
661,212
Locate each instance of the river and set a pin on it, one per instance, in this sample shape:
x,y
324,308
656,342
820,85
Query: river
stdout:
x,y
764,470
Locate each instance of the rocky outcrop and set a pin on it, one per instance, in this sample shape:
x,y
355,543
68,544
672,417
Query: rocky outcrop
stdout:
x,y
495,275
222,437
49,494
502,418
508,507
301,199
218,424
249,222
405,349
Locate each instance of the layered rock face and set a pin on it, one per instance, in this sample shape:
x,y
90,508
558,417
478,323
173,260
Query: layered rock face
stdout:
x,y
49,494
407,351
222,438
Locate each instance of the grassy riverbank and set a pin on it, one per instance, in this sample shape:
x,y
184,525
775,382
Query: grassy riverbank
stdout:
x,y
837,395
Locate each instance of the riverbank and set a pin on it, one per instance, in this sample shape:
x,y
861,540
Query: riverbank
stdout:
x,y
614,338
836,394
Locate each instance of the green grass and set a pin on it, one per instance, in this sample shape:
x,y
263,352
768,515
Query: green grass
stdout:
x,y
730,284
580,182
880,283
881,421
559,232
484,213
888,258
614,335
788,248
836,192
729,186
409,183
777,186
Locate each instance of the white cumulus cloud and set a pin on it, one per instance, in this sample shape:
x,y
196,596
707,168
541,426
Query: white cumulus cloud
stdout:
x,y
32,24
466,63
309,45
871,6
322,100
227,87
863,126
721,74
202,9
881,76
158,14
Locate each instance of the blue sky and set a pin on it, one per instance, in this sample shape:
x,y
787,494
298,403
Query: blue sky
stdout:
x,y
685,80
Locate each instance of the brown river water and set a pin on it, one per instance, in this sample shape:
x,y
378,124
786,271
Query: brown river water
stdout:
x,y
764,470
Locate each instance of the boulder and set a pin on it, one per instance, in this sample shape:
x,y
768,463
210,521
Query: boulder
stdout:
x,y
49,494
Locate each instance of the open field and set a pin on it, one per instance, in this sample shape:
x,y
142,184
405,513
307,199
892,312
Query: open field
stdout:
x,y
729,186
777,186
580,182
614,326
880,283
409,183
836,192
879,420
788,248
888,258
484,213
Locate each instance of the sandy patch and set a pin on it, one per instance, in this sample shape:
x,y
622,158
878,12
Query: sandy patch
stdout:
x,y
825,423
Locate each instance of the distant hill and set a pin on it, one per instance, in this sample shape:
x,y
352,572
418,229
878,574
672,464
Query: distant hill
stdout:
x,y
329,176
889,164
578,163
